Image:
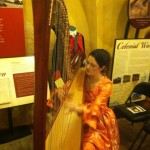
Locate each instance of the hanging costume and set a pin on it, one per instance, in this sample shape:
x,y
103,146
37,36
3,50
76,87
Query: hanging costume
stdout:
x,y
77,50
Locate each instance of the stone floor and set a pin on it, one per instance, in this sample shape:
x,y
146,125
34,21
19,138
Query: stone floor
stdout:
x,y
127,135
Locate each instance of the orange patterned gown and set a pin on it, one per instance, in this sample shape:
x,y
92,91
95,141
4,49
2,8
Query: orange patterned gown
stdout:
x,y
100,129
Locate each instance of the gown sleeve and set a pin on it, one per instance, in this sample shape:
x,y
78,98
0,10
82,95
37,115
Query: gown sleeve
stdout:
x,y
92,112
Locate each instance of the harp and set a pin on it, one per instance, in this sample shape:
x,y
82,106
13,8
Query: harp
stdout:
x,y
48,16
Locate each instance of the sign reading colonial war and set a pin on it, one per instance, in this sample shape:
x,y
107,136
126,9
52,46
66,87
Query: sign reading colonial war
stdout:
x,y
131,65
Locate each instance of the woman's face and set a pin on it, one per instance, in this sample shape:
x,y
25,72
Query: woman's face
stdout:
x,y
92,68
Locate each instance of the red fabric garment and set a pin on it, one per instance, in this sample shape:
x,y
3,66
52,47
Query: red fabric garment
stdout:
x,y
100,129
79,46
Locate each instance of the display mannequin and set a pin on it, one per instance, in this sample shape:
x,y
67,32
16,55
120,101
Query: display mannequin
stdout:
x,y
77,48
76,42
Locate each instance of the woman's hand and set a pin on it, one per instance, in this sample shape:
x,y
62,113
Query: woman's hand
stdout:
x,y
61,93
74,108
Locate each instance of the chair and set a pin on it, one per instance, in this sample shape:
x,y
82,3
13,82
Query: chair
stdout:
x,y
146,129
141,88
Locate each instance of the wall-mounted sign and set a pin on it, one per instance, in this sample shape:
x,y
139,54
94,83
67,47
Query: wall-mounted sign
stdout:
x,y
139,13
12,37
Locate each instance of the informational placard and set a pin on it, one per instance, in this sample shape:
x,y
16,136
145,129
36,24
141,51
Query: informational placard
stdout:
x,y
131,65
16,81
12,35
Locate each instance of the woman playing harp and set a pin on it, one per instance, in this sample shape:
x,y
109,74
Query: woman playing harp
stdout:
x,y
100,129
95,113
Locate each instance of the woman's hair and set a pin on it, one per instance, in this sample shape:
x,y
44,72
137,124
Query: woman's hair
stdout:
x,y
102,57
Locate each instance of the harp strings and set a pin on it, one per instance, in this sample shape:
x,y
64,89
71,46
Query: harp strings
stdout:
x,y
50,12
61,62
63,122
